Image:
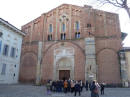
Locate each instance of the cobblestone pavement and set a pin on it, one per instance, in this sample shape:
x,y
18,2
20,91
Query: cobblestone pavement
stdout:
x,y
40,91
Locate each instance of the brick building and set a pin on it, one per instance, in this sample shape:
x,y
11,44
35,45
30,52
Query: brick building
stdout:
x,y
74,42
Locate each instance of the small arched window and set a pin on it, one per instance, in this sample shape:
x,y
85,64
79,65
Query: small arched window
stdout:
x,y
77,25
89,25
63,36
63,27
77,35
50,28
50,37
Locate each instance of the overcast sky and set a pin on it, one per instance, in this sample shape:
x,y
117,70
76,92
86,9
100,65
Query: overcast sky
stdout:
x,y
20,12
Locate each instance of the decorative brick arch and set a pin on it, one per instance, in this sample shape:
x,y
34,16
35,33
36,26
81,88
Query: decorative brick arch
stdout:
x,y
81,49
28,67
108,66
26,52
104,49
78,60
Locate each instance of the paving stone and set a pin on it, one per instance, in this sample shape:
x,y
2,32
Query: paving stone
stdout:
x,y
40,91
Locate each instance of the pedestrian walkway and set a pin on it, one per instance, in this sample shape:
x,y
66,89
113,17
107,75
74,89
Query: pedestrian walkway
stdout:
x,y
40,91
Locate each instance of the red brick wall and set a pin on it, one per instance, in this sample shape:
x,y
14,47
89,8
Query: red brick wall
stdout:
x,y
108,65
28,67
108,43
28,63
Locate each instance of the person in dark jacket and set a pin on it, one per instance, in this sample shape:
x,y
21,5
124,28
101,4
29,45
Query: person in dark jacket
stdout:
x,y
86,86
90,83
102,88
54,86
94,90
60,86
77,88
81,85
69,86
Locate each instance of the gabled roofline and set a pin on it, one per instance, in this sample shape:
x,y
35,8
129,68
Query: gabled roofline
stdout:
x,y
11,27
61,6
45,13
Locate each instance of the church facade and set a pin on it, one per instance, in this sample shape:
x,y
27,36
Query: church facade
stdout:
x,y
75,42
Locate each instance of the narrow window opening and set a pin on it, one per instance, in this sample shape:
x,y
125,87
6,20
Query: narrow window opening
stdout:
x,y
13,51
88,25
63,36
63,27
49,37
5,50
3,69
50,28
89,33
90,67
77,26
77,35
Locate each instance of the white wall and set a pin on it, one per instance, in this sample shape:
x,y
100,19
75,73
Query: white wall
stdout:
x,y
13,39
128,64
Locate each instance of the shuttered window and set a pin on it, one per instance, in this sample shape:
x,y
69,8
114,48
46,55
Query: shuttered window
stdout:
x,y
3,72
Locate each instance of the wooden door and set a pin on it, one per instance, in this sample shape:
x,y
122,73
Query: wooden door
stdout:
x,y
64,74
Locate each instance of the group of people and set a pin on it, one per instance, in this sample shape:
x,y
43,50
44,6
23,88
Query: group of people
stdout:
x,y
74,86
65,86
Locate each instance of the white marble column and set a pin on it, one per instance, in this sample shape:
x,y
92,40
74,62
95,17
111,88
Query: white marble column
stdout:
x,y
90,66
38,66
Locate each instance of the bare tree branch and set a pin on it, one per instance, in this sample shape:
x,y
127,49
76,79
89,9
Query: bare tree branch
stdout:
x,y
117,3
113,3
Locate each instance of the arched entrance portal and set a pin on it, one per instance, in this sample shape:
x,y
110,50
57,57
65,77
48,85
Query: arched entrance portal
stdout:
x,y
63,63
64,68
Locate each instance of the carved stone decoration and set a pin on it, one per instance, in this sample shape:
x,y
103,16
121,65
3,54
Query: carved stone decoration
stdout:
x,y
63,60
64,17
90,67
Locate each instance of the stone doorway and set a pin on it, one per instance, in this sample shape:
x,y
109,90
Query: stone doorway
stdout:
x,y
64,74
63,63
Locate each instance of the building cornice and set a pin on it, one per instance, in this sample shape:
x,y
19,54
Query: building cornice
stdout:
x,y
11,27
